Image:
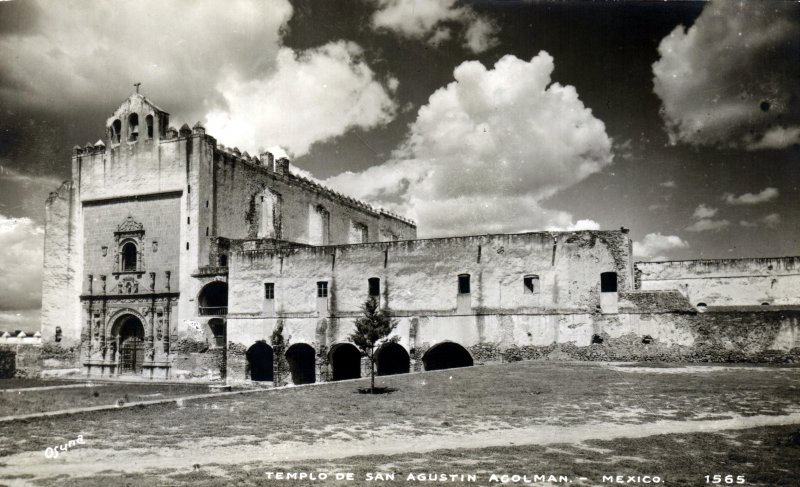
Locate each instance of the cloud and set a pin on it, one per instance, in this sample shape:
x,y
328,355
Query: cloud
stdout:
x,y
772,220
180,50
487,149
653,244
668,184
707,224
337,89
730,80
768,194
21,262
703,211
426,19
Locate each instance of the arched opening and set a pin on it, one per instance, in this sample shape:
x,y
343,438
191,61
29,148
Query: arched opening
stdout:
x,y
148,122
133,127
608,282
213,299
116,131
345,361
130,255
393,359
259,362
217,327
446,355
131,344
302,363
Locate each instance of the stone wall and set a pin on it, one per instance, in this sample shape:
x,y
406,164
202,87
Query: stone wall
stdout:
x,y
725,282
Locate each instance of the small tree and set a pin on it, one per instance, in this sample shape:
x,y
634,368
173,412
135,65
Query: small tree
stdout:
x,y
372,331
279,345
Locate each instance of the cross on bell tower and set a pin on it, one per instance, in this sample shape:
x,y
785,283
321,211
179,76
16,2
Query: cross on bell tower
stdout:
x,y
137,85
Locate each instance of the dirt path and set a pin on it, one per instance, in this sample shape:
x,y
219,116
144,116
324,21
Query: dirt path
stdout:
x,y
84,461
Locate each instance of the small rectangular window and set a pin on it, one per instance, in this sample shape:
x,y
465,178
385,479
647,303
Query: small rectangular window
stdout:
x,y
322,289
531,283
188,220
187,245
269,290
206,203
189,188
374,286
608,282
463,284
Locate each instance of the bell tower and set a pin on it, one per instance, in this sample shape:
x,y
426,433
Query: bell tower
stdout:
x,y
136,120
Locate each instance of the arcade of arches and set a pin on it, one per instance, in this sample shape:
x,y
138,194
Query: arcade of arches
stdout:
x,y
345,361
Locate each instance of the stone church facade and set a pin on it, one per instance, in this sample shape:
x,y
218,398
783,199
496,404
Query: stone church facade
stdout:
x,y
170,256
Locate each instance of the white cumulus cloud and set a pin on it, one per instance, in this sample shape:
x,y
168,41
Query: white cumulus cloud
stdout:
x,y
703,211
730,80
425,19
487,149
21,263
653,244
768,194
311,96
708,225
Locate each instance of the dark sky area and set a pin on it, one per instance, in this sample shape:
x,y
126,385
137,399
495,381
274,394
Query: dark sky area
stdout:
x,y
697,149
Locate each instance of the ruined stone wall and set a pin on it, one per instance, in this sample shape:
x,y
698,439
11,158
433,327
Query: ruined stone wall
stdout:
x,y
726,282
421,276
239,186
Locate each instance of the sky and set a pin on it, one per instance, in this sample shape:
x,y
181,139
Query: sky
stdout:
x,y
678,120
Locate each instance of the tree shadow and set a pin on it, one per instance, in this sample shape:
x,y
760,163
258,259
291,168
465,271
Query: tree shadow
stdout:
x,y
377,390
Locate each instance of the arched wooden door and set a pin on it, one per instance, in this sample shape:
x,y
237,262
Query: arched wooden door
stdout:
x,y
131,348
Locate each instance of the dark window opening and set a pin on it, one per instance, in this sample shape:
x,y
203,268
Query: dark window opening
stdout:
x,y
189,188
148,120
322,289
188,220
302,363
374,287
447,355
647,340
187,245
206,203
133,127
116,131
463,284
206,231
597,339
130,255
259,362
531,284
608,282
345,362
223,260
58,333
269,290
393,359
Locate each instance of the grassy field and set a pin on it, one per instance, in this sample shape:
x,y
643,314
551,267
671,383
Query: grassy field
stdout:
x,y
479,399
35,401
762,455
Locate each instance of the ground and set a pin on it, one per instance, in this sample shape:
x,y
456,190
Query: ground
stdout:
x,y
579,420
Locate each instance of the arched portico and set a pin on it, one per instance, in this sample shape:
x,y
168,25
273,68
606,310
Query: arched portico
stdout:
x,y
259,362
393,359
446,355
345,361
302,363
